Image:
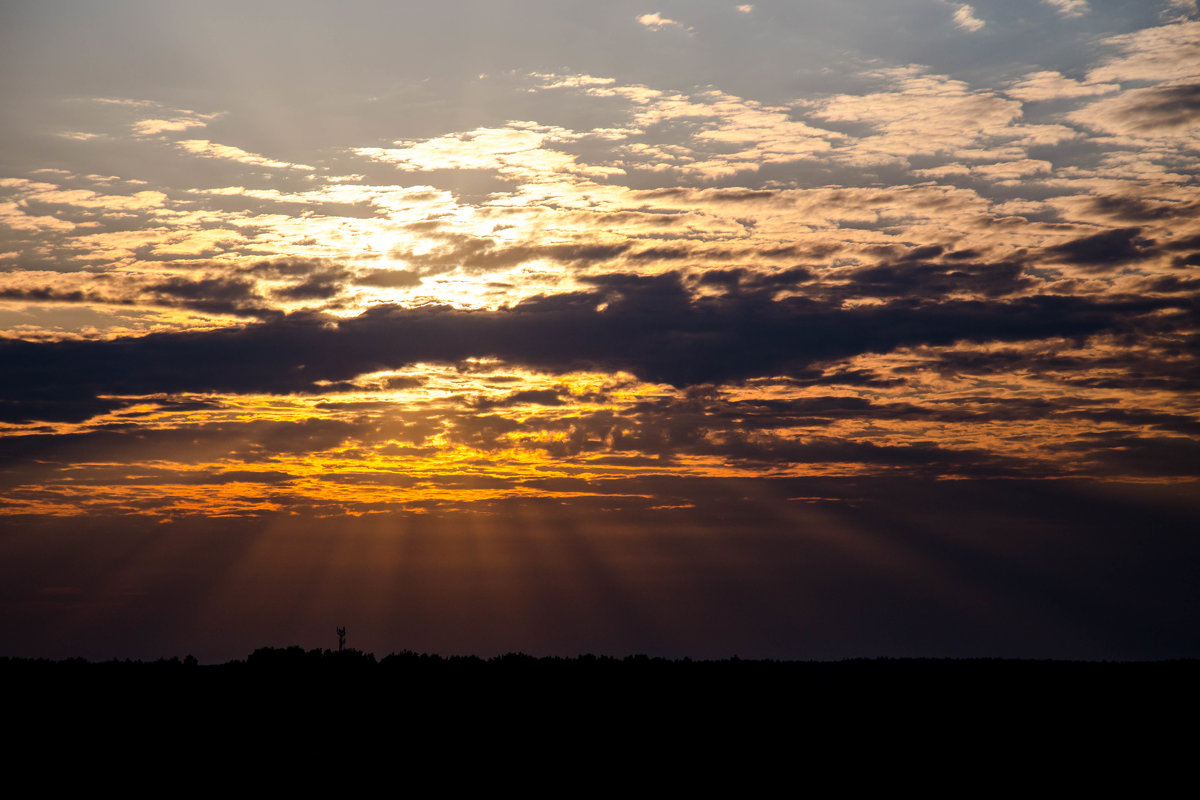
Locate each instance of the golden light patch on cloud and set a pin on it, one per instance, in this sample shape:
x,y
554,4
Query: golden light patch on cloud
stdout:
x,y
197,243
49,282
85,198
746,8
207,149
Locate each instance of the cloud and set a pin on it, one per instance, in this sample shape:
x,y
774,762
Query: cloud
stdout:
x,y
180,122
207,149
1169,111
922,114
1069,8
964,17
1050,85
746,8
481,254
1165,53
1179,9
151,127
650,327
388,278
517,150
657,22
715,134
1104,250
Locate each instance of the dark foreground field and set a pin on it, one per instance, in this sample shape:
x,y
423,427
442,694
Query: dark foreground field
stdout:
x,y
515,719
430,684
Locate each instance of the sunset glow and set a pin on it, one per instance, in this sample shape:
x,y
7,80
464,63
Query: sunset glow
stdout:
x,y
567,269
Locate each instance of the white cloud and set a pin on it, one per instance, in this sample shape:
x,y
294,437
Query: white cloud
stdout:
x,y
718,134
1069,8
1166,53
207,149
518,150
656,22
152,127
924,114
1049,85
964,17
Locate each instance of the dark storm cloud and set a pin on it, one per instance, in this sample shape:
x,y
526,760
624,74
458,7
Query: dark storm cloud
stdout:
x,y
1122,453
317,287
1176,423
1105,250
388,278
251,441
747,281
1139,367
849,377
307,279
221,295
651,327
919,279
54,409
47,294
1137,209
1188,243
542,397
293,268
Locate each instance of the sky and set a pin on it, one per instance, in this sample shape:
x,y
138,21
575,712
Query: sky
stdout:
x,y
807,329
